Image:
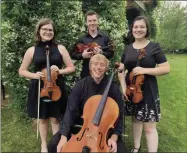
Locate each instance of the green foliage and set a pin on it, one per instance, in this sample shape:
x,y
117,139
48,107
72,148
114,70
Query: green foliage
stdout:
x,y
150,16
18,24
172,31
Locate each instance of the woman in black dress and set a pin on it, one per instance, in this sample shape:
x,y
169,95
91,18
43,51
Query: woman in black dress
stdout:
x,y
49,111
147,112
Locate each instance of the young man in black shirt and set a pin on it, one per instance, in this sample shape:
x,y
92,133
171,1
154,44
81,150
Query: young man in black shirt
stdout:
x,y
94,84
93,34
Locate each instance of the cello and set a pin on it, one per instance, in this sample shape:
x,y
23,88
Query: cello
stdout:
x,y
50,89
100,114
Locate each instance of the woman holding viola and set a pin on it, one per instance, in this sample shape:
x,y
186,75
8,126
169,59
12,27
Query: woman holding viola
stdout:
x,y
154,63
58,56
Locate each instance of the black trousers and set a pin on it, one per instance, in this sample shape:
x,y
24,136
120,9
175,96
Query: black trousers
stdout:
x,y
52,145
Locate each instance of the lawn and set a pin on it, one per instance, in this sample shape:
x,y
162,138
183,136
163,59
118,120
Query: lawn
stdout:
x,y
18,135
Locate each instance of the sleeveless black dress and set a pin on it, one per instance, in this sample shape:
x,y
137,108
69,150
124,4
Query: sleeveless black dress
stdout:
x,y
149,108
47,109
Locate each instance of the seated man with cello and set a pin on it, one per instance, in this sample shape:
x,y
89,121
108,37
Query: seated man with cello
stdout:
x,y
93,42
87,93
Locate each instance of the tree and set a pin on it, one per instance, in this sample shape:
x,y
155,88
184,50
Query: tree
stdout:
x,y
172,27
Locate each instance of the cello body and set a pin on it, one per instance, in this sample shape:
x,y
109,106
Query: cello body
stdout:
x,y
93,138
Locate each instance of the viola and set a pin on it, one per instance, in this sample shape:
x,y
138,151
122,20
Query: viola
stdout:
x,y
50,89
134,83
100,114
80,47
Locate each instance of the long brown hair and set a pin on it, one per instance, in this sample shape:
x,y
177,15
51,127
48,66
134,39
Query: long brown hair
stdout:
x,y
41,23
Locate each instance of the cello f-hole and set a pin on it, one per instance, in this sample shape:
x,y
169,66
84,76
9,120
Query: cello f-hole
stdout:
x,y
100,145
79,139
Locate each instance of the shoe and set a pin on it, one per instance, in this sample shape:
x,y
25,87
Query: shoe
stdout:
x,y
44,149
136,149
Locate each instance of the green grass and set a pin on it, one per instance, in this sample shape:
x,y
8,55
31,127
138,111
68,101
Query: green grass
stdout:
x,y
17,135
172,129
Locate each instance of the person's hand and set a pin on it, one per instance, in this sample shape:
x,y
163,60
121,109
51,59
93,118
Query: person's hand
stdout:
x,y
139,70
38,75
125,97
61,143
54,68
97,50
112,145
87,54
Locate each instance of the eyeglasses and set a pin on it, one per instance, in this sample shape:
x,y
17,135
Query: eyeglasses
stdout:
x,y
46,30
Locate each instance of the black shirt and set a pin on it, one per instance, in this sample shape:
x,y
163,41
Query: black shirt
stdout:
x,y
102,40
81,92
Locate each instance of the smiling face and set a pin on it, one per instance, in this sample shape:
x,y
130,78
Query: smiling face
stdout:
x,y
98,66
46,32
139,29
92,22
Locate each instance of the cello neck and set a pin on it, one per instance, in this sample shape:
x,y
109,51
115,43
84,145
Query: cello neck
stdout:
x,y
99,112
48,64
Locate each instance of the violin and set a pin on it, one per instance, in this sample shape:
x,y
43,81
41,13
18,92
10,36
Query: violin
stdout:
x,y
134,83
100,114
80,47
50,89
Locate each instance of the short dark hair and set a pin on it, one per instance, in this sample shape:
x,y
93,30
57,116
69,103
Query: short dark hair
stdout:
x,y
146,22
90,12
41,23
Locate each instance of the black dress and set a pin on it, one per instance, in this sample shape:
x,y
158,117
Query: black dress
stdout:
x,y
149,108
47,109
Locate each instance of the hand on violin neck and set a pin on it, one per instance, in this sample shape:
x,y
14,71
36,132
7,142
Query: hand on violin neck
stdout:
x,y
38,75
54,68
139,70
87,54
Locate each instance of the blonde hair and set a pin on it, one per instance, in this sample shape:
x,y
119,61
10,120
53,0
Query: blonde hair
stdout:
x,y
99,57
41,23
